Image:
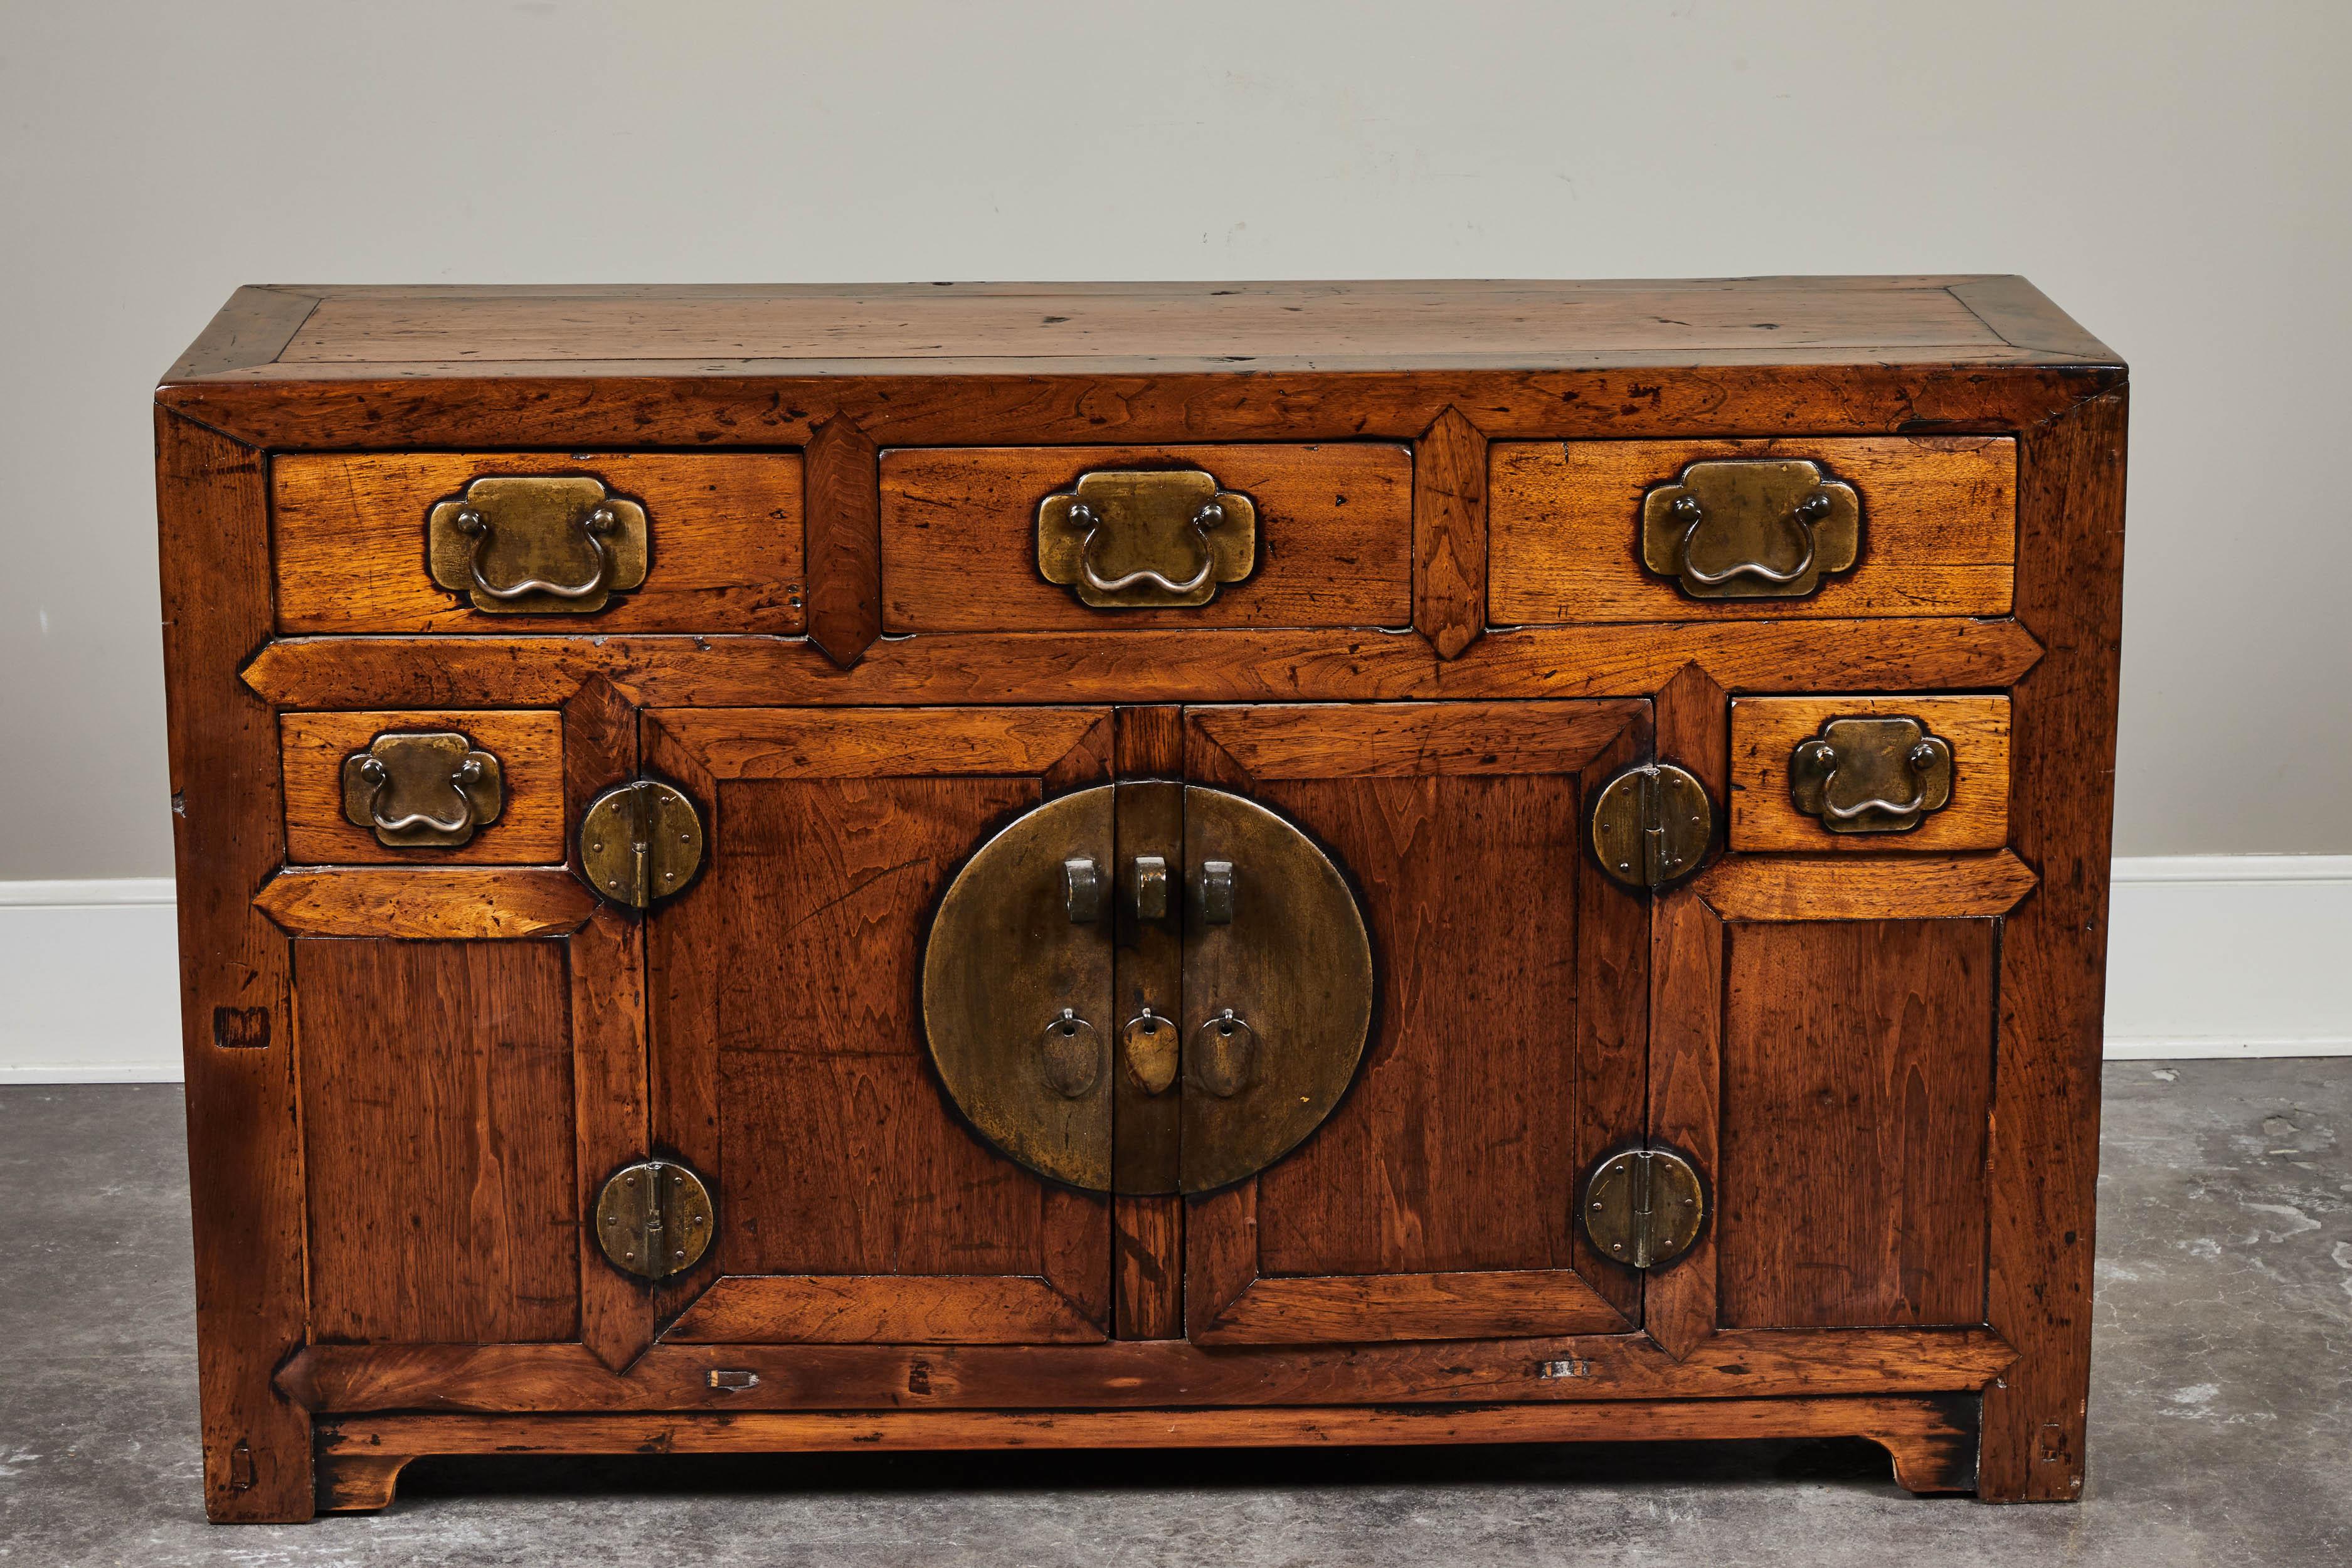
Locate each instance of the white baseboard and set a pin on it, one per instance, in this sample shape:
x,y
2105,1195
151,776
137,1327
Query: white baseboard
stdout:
x,y
89,982
2210,955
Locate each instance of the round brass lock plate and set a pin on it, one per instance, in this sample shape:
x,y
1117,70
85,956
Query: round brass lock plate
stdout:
x,y
1017,990
1644,1209
653,1219
1277,988
639,843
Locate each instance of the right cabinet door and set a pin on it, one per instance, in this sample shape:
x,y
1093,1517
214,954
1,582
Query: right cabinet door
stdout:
x,y
1509,1035
1824,1012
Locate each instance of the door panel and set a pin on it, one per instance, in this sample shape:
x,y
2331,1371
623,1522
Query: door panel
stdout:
x,y
1438,1200
854,1204
1857,1086
437,1132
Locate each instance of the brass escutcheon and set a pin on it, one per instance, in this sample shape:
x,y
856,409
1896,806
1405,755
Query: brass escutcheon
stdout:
x,y
1749,528
526,544
1871,776
1129,540
1651,826
423,791
1151,1050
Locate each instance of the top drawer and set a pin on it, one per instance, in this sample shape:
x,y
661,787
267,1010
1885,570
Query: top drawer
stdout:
x,y
720,546
1913,526
1330,544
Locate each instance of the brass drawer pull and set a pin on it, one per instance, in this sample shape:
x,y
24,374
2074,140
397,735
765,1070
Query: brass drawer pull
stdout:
x,y
593,527
1724,524
1142,541
406,767
1871,776
535,528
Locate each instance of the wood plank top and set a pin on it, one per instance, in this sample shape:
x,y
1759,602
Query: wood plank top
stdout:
x,y
296,333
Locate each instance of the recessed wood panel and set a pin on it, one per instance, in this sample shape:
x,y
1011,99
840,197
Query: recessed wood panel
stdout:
x,y
438,1133
959,536
1765,730
849,1164
1939,529
824,899
1857,1091
724,532
530,749
1456,1148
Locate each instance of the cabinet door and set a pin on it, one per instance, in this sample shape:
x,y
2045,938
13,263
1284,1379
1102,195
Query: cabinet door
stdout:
x,y
788,1052
1508,1040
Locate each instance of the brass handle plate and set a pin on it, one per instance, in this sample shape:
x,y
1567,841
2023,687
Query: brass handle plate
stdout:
x,y
423,790
1871,776
1643,1207
1151,1051
653,1219
526,544
1131,540
1747,528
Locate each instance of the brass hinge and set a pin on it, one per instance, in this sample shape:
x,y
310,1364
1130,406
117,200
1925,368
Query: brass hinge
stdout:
x,y
1643,1207
639,843
1651,826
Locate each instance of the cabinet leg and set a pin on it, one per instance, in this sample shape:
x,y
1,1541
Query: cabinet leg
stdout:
x,y
359,1483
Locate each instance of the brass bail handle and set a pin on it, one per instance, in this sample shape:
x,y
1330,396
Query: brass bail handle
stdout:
x,y
600,522
1211,514
469,771
1919,761
1692,513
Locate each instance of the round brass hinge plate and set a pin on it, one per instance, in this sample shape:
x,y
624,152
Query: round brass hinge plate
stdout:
x,y
1643,1207
1651,826
653,1219
640,842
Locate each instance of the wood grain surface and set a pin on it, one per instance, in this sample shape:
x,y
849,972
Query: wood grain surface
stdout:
x,y
1857,1084
237,1015
529,829
959,536
2045,1146
1204,666
1449,533
1939,529
1142,1373
424,903
1941,887
723,531
1765,730
438,1126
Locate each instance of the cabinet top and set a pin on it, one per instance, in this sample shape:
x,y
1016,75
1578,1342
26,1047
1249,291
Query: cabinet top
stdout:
x,y
296,333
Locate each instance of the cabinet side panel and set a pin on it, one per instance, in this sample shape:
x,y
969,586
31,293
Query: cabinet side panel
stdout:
x,y
1857,1082
437,1119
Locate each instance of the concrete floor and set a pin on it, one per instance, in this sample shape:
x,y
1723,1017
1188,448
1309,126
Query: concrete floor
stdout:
x,y
2221,1409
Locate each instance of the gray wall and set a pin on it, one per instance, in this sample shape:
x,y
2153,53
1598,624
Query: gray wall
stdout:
x,y
2175,172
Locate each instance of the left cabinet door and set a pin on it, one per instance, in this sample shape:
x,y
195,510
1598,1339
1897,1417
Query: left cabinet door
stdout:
x,y
786,1034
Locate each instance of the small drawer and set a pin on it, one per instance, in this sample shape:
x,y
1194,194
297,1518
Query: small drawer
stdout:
x,y
1857,751
525,755
715,538
1923,526
1330,541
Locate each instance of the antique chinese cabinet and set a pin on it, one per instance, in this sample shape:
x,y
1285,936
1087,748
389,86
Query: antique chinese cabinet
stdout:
x,y
939,867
